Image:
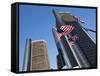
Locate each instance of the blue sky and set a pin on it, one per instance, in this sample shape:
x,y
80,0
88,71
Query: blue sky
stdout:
x,y
36,22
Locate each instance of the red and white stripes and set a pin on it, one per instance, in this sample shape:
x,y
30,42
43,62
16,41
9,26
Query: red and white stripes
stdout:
x,y
66,29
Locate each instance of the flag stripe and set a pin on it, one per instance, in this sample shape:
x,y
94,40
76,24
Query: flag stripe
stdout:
x,y
66,29
71,28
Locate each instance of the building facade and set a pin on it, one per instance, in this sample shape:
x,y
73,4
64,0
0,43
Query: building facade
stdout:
x,y
36,56
26,58
39,56
78,49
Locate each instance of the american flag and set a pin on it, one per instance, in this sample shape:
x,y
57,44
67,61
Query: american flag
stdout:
x,y
74,38
79,20
65,30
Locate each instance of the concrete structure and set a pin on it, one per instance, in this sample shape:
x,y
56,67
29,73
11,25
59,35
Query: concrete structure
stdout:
x,y
66,57
39,56
26,57
82,53
60,63
35,56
